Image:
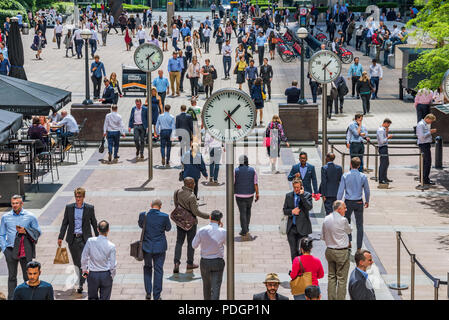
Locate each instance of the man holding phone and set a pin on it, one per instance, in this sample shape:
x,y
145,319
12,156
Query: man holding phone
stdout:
x,y
15,223
297,205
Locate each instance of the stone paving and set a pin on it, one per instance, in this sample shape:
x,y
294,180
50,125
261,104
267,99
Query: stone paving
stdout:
x,y
421,216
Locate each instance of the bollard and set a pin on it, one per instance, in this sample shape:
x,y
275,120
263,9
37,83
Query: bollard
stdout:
x,y
367,157
439,152
401,90
376,163
398,286
412,277
421,170
343,161
435,289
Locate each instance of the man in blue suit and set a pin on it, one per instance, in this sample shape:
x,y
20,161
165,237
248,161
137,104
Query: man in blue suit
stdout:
x,y
154,247
360,288
306,172
330,181
108,93
138,120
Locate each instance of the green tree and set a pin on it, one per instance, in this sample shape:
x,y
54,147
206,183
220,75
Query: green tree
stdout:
x,y
432,26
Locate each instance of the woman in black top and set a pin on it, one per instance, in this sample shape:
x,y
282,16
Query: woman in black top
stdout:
x,y
220,39
364,89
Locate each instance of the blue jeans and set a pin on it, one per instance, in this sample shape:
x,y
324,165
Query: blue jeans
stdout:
x,y
64,136
113,142
93,46
165,143
174,43
215,157
375,83
227,65
158,260
79,48
386,53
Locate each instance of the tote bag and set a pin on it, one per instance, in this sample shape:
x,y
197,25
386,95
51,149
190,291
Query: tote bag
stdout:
x,y
301,282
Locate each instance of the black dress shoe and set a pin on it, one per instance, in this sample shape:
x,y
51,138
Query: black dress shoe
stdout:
x,y
176,268
148,297
383,182
388,180
79,290
432,183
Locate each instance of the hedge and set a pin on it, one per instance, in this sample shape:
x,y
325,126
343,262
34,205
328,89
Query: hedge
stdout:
x,y
128,7
29,4
63,7
12,13
11,5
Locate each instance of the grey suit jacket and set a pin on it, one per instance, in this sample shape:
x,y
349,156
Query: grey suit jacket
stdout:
x,y
359,288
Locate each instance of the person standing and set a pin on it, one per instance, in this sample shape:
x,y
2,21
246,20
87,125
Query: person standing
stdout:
x,y
78,218
251,74
266,73
165,127
15,226
214,148
194,166
424,134
360,287
375,73
185,198
138,121
58,33
208,72
97,69
245,186
293,92
227,60
342,90
297,205
162,86
275,134
183,61
356,134
34,288
112,128
272,283
354,74
141,35
99,264
219,34
423,100
206,34
352,185
382,141
260,43
306,172
331,27
334,232
174,69
68,42
184,129
212,239
330,180
154,247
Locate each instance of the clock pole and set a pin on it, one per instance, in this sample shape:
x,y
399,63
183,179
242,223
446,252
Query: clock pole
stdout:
x,y
324,126
150,136
230,219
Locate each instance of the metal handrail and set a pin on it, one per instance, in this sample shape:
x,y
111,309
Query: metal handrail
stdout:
x,y
414,261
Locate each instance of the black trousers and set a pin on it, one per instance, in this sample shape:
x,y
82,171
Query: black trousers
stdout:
x,y
357,149
336,100
12,264
358,42
183,73
313,88
328,204
384,163
76,250
365,102
261,51
162,95
267,83
356,206
58,40
139,138
354,80
244,205
212,276
194,85
181,236
99,282
427,160
331,35
422,110
293,238
250,84
97,86
367,43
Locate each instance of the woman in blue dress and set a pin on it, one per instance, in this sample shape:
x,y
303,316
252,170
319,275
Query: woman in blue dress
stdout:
x,y
156,109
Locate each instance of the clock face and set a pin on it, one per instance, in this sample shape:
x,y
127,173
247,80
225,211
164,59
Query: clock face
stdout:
x,y
446,84
148,57
324,66
229,115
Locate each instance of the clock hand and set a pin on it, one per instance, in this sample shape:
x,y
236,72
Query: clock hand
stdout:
x,y
235,123
325,66
233,111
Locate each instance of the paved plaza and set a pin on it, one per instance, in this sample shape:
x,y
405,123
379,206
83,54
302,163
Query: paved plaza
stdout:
x,y
113,189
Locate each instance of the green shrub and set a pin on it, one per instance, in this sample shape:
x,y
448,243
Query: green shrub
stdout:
x,y
12,13
387,4
11,5
63,7
29,4
43,4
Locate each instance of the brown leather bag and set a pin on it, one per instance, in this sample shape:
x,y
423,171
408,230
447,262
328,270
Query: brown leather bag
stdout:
x,y
182,217
302,281
136,248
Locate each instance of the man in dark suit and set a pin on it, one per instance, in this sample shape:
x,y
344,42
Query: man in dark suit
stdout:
x,y
330,180
154,247
138,121
306,172
293,92
184,128
78,218
297,205
108,93
360,288
272,283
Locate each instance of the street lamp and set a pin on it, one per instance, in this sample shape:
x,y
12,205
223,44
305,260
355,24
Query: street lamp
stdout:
x,y
86,35
302,33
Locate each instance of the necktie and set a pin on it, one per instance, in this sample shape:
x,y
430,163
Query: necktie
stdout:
x,y
296,206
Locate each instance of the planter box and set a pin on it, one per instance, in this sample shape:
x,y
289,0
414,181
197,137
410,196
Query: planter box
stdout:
x,y
300,122
95,114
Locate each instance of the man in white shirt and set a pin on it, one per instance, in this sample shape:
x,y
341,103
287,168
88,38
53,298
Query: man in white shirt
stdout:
x,y
226,51
334,232
78,42
175,36
141,36
424,134
113,126
382,141
206,33
93,41
212,239
58,33
375,73
71,127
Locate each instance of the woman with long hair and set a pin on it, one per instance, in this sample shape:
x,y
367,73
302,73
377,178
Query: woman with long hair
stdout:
x,y
200,32
196,43
208,81
364,89
189,48
156,109
116,85
193,73
220,39
240,69
257,94
68,43
274,134
128,39
272,40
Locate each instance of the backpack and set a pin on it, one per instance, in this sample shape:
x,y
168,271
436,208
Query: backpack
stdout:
x,y
342,89
162,33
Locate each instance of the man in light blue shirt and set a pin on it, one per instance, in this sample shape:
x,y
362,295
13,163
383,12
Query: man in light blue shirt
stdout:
x,y
71,127
212,239
352,186
165,127
185,31
174,69
354,73
17,221
4,50
99,264
355,136
162,86
424,134
207,22
260,43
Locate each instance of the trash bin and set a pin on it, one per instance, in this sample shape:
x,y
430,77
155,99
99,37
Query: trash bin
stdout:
x,y
25,28
438,152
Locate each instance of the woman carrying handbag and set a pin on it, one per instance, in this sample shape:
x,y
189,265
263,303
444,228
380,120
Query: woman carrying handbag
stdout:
x,y
274,134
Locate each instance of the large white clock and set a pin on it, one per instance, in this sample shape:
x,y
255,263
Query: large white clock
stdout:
x,y
446,84
229,115
324,66
148,57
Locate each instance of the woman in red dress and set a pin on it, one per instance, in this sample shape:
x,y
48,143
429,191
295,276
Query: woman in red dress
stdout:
x,y
128,40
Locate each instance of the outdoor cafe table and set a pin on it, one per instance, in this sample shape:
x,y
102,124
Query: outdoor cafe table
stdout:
x,y
30,145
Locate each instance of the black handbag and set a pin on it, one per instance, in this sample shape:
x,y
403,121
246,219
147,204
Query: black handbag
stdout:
x,y
101,147
181,175
136,248
319,90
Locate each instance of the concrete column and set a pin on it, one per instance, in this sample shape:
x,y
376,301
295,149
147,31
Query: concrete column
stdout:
x,y
170,15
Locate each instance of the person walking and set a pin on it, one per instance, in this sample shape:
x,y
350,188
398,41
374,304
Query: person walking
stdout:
x,y
116,86
423,100
272,283
186,199
19,230
342,90
193,73
34,288
99,264
240,70
220,39
163,37
196,43
306,262
297,205
227,60
214,149
375,73
155,224
68,42
354,74
251,74
330,180
258,94
334,232
272,40
156,109
364,89
128,40
274,133
382,141
38,44
356,133
331,28
260,43
162,86
183,60
360,287
174,69
138,121
306,172
58,33
97,70
184,129
245,186
78,219
165,128
212,239
93,42
352,185
424,135
266,73
209,73
112,128
206,34
194,166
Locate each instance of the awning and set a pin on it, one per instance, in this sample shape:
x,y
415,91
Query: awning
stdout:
x,y
31,98
10,122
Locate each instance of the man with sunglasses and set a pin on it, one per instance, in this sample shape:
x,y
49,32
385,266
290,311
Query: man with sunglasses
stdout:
x,y
78,218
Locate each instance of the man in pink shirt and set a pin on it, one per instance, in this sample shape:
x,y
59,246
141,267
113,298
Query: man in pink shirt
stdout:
x,y
423,100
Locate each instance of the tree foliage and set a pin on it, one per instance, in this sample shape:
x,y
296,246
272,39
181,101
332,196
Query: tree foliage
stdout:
x,y
432,26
